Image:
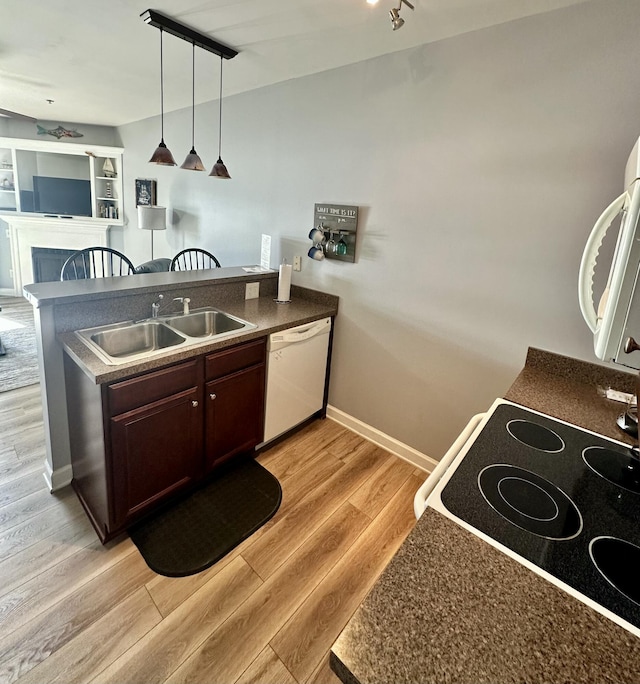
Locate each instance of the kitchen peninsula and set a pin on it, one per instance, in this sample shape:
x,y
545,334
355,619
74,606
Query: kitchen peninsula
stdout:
x,y
60,308
452,608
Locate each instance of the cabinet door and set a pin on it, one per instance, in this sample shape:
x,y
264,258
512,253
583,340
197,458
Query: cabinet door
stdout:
x,y
156,450
234,414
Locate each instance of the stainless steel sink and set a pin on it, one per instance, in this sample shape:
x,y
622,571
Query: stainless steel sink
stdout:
x,y
136,341
205,323
137,338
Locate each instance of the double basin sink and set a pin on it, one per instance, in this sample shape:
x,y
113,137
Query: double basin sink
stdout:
x,y
133,341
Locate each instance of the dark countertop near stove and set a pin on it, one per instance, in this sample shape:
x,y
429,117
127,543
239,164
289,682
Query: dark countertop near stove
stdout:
x,y
452,608
567,389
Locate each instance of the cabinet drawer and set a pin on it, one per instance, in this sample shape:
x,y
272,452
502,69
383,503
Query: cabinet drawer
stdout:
x,y
135,392
235,358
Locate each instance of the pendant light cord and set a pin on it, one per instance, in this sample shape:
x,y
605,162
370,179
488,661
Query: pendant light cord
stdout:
x,y
220,115
161,91
193,97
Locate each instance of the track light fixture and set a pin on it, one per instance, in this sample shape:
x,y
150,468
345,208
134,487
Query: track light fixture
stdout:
x,y
164,23
396,20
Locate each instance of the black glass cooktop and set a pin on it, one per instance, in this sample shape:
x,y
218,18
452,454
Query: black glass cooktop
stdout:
x,y
561,497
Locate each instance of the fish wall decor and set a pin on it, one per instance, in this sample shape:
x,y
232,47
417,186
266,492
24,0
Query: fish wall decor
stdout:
x,y
59,132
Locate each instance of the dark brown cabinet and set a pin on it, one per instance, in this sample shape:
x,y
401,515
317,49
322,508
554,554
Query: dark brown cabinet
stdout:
x,y
234,402
162,431
234,410
155,452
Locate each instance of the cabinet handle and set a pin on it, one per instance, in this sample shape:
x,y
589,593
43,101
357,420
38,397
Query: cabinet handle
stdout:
x,y
194,403
212,396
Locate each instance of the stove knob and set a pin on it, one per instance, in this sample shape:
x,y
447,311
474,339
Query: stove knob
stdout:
x,y
630,345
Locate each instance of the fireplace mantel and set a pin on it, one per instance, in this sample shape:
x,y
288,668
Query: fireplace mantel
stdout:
x,y
26,232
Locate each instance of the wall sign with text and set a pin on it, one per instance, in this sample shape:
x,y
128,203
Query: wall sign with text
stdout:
x,y
339,223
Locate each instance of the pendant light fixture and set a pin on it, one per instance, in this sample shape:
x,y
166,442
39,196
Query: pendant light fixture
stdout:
x,y
219,170
186,33
162,155
193,161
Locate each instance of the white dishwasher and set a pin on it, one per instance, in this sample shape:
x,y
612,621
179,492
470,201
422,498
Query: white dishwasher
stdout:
x,y
296,371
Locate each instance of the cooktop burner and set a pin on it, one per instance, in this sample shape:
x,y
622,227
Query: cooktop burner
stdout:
x,y
560,497
530,502
535,435
618,560
622,469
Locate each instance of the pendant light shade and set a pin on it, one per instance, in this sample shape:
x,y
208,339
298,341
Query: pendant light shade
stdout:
x,y
162,155
192,161
219,170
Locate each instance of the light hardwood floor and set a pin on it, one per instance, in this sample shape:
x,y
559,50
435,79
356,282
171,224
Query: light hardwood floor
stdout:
x,y
72,610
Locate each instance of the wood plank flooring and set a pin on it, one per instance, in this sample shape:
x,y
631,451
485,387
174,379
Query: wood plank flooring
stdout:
x,y
73,610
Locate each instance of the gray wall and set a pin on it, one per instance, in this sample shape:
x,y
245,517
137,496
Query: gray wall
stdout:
x,y
480,164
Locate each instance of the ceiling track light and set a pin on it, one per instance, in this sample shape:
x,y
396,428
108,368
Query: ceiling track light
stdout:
x,y
192,161
219,170
396,20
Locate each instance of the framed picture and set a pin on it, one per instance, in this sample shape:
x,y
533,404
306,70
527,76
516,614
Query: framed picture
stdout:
x,y
145,192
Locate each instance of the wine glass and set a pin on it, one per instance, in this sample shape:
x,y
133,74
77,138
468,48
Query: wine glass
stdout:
x,y
341,247
330,247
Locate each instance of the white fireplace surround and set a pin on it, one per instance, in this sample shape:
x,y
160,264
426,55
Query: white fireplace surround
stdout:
x,y
36,231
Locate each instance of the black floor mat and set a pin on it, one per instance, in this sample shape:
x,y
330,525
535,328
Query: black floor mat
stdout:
x,y
194,533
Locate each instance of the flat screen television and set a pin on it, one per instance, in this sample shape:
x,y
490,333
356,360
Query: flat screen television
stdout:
x,y
62,196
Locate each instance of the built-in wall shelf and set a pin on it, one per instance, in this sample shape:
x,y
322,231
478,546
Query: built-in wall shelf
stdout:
x,y
57,179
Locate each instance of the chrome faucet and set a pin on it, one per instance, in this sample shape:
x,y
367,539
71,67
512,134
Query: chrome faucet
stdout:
x,y
185,304
155,306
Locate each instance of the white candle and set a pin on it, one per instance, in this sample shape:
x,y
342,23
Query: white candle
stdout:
x,y
284,283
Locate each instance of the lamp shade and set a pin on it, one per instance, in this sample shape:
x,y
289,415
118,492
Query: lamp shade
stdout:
x,y
162,156
152,218
219,170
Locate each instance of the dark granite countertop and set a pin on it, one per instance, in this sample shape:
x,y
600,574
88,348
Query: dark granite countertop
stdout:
x,y
264,312
567,388
92,289
452,608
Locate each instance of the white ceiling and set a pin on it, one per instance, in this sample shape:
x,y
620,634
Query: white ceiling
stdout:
x,y
99,62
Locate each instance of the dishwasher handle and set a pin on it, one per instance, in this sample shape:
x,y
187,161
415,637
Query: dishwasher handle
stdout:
x,y
421,496
301,333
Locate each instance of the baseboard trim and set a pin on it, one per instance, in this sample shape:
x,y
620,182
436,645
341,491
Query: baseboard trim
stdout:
x,y
382,440
57,479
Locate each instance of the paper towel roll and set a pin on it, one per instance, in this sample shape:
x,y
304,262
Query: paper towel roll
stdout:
x,y
284,283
